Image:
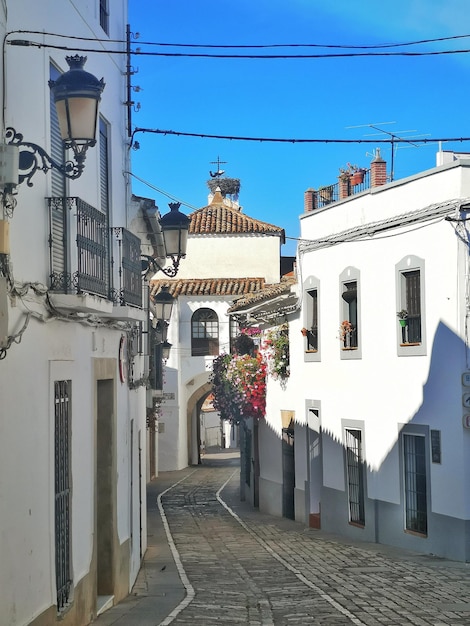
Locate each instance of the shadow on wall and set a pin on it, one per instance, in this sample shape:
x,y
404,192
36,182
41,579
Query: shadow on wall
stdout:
x,y
414,497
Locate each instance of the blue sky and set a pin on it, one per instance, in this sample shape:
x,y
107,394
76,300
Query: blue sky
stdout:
x,y
292,98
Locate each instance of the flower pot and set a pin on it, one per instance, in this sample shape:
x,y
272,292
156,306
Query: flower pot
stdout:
x,y
402,322
304,332
357,178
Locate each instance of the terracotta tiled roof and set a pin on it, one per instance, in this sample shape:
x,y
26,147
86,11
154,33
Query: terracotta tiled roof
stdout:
x,y
232,287
218,218
267,292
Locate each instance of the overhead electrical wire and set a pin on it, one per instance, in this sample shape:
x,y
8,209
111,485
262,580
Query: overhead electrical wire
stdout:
x,y
139,52
336,55
248,46
392,140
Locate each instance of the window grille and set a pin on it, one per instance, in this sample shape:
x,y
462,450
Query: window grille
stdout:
x,y
350,298
415,483
62,417
312,331
413,305
355,473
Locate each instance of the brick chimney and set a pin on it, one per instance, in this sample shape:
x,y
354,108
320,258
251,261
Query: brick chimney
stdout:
x,y
309,200
378,170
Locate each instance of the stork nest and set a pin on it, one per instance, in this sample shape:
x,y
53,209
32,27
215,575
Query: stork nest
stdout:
x,y
227,186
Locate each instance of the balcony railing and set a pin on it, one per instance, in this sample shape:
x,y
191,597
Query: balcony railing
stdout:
x,y
88,267
339,191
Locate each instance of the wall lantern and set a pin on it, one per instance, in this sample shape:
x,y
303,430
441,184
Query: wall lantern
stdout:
x,y
76,94
163,302
166,347
175,226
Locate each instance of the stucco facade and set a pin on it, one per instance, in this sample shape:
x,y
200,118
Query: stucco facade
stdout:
x,y
380,432
229,253
72,430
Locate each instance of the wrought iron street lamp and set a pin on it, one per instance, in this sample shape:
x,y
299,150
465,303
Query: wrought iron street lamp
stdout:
x,y
76,94
163,305
175,226
165,347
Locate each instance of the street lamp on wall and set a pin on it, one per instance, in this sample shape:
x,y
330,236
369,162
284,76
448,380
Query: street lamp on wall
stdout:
x,y
76,95
163,305
165,347
175,226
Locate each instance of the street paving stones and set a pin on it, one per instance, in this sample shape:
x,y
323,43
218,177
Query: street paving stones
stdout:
x,y
242,567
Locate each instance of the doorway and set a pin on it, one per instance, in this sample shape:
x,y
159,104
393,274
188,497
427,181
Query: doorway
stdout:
x,y
288,473
105,492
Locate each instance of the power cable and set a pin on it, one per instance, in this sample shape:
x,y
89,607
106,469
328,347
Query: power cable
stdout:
x,y
291,140
138,52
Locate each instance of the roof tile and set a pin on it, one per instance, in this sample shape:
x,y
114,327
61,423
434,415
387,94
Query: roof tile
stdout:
x,y
208,287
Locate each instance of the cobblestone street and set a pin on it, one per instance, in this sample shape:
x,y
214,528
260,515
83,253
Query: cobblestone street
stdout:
x,y
239,566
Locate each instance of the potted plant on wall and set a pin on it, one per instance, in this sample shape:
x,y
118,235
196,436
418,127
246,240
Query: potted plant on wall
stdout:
x,y
345,331
353,173
357,177
402,315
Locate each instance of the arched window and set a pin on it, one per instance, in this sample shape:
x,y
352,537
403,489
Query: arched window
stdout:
x,y
204,333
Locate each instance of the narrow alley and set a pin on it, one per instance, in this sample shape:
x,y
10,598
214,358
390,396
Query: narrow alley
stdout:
x,y
235,566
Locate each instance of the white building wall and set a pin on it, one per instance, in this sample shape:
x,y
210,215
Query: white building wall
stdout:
x,y
185,376
232,256
52,350
382,391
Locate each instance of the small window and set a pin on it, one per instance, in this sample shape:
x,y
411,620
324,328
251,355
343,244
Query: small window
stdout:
x,y
104,16
234,332
411,331
350,333
414,452
355,475
312,328
349,325
410,303
205,333
311,319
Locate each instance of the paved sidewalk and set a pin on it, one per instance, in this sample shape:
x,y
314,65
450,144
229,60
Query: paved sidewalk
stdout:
x,y
158,588
241,567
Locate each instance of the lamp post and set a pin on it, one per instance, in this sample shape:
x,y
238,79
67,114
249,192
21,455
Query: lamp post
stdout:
x,y
175,226
76,95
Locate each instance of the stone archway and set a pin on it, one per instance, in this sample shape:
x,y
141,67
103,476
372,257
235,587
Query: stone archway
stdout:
x,y
195,402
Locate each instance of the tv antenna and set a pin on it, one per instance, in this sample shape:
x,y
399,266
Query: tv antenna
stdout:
x,y
393,138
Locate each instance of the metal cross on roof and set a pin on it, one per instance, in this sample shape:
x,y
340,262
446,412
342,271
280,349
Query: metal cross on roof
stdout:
x,y
219,172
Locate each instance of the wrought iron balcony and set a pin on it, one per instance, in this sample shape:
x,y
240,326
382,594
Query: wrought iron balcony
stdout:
x,y
89,266
339,191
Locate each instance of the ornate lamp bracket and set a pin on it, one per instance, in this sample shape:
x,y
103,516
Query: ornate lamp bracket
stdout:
x,y
33,158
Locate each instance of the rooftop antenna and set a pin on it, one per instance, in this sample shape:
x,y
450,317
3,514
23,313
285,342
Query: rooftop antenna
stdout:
x,y
393,139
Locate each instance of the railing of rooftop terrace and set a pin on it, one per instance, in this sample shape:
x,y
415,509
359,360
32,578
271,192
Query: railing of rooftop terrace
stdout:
x,y
339,191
